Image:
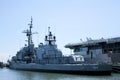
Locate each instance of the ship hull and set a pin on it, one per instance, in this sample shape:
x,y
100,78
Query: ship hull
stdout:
x,y
87,69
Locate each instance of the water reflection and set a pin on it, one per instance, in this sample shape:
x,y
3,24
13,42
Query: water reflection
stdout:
x,y
8,74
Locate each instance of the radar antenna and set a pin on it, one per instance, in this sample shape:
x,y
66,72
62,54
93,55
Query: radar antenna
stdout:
x,y
50,39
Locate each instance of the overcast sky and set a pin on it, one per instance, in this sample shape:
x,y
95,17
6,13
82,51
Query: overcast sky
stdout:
x,y
70,20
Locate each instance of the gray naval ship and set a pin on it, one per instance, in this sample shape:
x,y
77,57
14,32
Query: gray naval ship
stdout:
x,y
48,58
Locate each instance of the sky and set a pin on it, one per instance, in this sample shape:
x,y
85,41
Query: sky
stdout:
x,y
70,21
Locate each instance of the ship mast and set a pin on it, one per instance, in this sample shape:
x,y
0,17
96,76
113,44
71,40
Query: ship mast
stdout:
x,y
30,52
50,39
29,33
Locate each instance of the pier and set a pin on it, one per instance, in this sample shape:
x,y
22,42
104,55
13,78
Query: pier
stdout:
x,y
116,68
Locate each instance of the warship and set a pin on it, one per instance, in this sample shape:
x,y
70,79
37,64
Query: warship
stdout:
x,y
48,58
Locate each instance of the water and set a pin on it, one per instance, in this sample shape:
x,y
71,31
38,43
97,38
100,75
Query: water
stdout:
x,y
8,74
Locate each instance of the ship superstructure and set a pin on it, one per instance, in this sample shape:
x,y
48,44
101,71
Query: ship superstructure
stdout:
x,y
48,53
27,53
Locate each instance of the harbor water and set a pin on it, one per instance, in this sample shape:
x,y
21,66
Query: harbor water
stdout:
x,y
8,74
